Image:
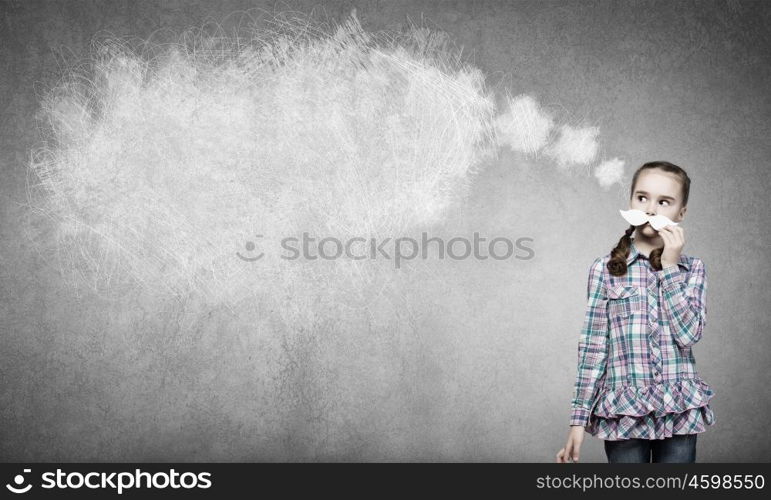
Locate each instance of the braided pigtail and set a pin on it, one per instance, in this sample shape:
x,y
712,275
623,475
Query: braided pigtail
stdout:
x,y
655,258
617,263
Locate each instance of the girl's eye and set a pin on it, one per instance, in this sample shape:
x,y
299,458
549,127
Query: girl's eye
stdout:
x,y
640,198
665,201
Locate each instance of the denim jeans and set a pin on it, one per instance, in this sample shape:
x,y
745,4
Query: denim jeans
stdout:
x,y
680,448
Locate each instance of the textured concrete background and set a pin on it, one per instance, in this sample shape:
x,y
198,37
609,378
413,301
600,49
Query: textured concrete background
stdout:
x,y
486,367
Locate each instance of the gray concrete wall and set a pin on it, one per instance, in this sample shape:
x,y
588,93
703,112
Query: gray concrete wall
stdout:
x,y
483,369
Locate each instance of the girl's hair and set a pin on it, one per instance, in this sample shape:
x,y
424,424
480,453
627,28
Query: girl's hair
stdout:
x,y
617,263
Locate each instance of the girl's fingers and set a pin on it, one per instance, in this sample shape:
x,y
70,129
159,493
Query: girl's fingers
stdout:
x,y
665,235
678,231
675,234
671,236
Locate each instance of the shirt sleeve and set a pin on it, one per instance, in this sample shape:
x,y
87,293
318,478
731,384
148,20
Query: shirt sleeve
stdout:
x,y
592,347
685,301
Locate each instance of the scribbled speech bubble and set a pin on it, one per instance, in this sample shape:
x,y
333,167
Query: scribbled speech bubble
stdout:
x,y
161,166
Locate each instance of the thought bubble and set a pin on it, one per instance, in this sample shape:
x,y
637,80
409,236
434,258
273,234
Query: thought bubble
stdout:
x,y
160,165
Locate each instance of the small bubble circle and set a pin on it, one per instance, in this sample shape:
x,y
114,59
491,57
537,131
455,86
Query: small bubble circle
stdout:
x,y
18,479
250,245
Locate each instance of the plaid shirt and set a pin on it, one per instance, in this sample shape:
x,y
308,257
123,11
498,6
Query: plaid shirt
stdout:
x,y
636,370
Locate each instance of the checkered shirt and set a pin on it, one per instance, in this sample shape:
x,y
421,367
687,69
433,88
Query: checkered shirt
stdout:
x,y
636,374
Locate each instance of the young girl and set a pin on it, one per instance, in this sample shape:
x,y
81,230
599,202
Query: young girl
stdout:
x,y
637,386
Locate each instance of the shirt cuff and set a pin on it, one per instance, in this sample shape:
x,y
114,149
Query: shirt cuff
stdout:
x,y
579,416
671,277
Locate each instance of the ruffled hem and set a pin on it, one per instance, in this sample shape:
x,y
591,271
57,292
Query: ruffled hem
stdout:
x,y
693,421
656,399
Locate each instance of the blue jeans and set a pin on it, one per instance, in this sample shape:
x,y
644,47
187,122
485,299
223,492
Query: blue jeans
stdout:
x,y
680,448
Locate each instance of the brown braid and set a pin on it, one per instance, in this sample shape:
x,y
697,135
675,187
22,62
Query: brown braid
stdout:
x,y
617,263
655,258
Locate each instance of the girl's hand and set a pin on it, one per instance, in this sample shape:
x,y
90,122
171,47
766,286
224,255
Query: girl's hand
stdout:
x,y
674,241
573,446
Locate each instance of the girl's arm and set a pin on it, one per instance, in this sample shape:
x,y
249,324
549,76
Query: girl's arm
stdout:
x,y
592,347
685,304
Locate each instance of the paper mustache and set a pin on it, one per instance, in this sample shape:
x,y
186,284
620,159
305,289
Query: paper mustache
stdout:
x,y
638,218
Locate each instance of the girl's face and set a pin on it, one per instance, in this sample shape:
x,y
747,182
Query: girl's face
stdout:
x,y
657,193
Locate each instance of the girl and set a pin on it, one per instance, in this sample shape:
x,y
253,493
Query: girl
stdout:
x,y
637,386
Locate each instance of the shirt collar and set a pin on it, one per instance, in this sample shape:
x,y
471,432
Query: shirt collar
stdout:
x,y
634,253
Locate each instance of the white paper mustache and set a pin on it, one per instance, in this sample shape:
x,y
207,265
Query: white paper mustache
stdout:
x,y
638,218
